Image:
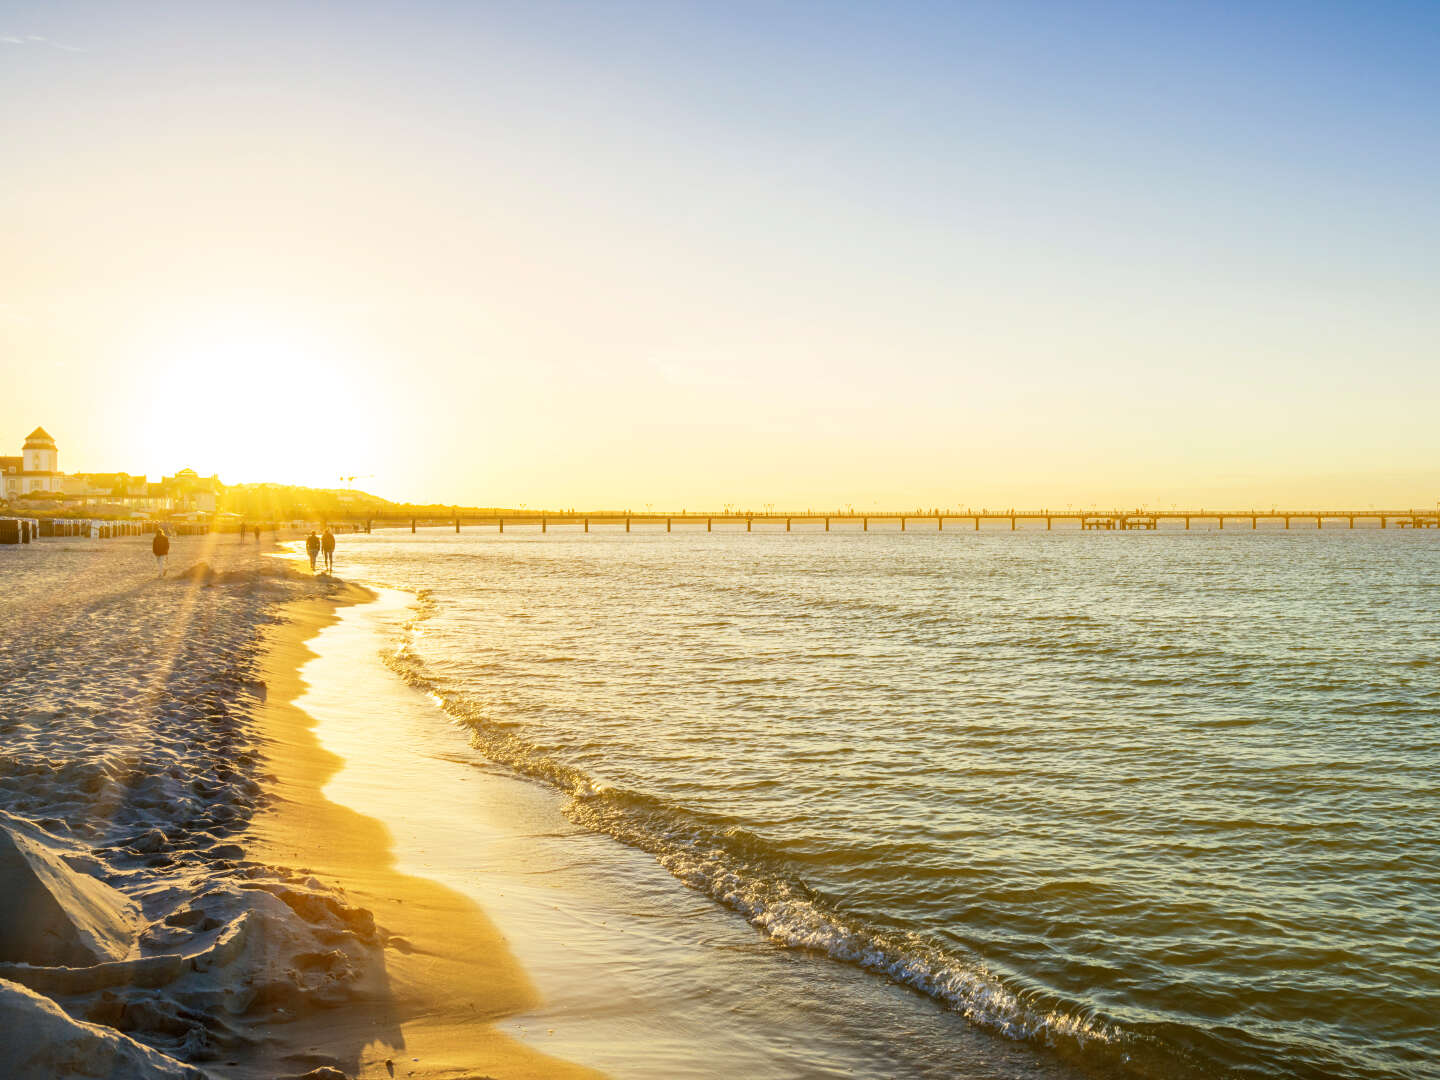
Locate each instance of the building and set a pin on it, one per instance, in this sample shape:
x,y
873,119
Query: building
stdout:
x,y
185,491
36,469
189,490
114,489
103,484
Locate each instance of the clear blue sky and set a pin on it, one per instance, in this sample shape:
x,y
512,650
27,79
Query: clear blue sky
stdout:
x,y
606,253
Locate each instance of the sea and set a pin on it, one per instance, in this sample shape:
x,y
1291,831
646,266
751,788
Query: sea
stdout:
x,y
936,804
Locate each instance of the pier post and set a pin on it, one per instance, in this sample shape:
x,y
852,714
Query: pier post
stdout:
x,y
709,524
1287,521
1047,524
902,524
627,524
1383,524
747,524
939,523
667,524
412,525
865,524
827,524
1012,522
502,524
587,524
1187,523
1254,522
543,524
977,522
457,524
1222,521
787,524
1319,522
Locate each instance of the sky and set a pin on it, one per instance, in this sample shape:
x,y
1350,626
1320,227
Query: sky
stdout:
x,y
612,254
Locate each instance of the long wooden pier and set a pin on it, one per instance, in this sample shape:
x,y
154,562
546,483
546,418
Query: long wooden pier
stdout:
x,y
1085,520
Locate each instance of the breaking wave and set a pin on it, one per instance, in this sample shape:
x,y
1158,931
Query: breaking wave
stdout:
x,y
718,857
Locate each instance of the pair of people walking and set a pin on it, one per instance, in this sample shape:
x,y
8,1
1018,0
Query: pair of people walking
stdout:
x,y
316,545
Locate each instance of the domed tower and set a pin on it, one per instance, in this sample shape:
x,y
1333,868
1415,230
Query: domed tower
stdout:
x,y
41,461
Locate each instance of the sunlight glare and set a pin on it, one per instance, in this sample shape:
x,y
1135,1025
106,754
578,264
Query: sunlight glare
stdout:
x,y
254,405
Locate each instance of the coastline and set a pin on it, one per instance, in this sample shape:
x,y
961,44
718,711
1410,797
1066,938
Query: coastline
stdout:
x,y
139,940
312,869
444,976
640,976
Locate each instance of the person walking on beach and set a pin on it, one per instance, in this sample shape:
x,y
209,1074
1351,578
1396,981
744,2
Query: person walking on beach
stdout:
x,y
161,547
327,545
312,548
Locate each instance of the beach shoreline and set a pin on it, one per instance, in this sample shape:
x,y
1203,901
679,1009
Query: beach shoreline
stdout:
x,y
444,976
315,860
138,937
164,839
640,975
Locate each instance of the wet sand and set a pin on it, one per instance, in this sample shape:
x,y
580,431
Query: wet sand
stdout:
x,y
446,976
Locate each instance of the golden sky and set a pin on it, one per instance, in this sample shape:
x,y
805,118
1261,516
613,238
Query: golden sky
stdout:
x,y
687,256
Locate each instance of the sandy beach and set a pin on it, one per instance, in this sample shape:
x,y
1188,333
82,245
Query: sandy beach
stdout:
x,y
179,897
444,973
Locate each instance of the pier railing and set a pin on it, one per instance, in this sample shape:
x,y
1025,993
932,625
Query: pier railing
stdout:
x,y
22,530
1092,519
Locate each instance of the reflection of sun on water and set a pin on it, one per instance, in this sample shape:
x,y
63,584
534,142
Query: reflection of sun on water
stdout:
x,y
259,407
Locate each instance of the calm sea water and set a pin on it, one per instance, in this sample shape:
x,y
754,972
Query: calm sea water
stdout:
x,y
1161,805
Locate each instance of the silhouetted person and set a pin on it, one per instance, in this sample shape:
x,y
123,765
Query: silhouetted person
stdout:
x,y
161,547
327,545
257,534
312,547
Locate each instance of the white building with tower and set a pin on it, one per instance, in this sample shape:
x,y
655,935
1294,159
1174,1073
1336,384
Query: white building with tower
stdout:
x,y
36,469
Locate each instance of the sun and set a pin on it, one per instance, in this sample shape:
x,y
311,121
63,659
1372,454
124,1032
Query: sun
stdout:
x,y
253,405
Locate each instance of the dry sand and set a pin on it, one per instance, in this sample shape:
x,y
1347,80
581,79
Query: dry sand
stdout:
x,y
177,897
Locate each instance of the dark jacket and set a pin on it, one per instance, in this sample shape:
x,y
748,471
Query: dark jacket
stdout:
x,y
161,544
